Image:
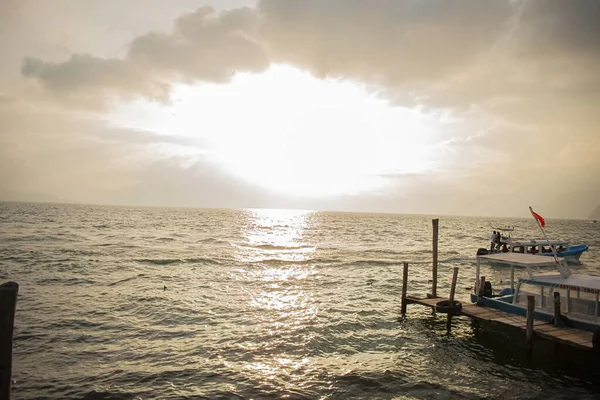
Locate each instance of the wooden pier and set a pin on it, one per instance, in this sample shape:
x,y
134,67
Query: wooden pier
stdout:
x,y
555,331
545,330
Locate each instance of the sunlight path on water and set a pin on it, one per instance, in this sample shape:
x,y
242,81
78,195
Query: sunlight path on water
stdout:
x,y
126,302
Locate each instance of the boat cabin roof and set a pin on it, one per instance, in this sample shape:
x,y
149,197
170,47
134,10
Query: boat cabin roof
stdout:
x,y
519,259
539,242
574,281
506,229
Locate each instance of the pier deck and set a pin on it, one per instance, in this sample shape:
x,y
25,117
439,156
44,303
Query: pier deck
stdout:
x,y
563,334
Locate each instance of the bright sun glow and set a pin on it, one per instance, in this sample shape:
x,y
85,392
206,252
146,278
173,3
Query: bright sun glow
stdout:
x,y
291,133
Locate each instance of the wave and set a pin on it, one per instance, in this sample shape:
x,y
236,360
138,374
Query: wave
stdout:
x,y
159,261
279,261
203,260
392,252
213,241
124,280
169,261
275,247
367,263
66,282
459,258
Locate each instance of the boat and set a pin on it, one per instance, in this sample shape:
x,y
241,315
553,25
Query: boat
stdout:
x,y
579,301
543,247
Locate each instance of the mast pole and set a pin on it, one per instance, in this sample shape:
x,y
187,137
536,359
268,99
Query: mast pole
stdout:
x,y
562,268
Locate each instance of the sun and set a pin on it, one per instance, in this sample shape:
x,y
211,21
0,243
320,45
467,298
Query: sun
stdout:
x,y
292,133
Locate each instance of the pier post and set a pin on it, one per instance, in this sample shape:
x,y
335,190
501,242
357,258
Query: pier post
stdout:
x,y
529,331
481,290
404,287
452,290
557,309
435,223
8,303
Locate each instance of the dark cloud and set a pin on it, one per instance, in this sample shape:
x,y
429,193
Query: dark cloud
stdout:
x,y
550,27
389,42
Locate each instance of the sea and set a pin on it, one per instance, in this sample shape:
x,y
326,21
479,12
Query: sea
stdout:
x,y
180,303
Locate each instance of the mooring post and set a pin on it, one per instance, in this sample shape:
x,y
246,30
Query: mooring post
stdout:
x,y
435,222
452,290
8,303
481,290
404,287
556,309
529,332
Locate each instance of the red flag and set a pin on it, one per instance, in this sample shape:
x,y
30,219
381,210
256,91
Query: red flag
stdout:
x,y
539,218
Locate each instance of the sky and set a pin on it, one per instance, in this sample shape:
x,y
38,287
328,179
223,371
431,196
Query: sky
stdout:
x,y
459,107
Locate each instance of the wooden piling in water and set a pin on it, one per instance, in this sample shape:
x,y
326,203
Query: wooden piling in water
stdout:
x,y
8,302
404,287
435,222
481,290
557,309
529,326
452,290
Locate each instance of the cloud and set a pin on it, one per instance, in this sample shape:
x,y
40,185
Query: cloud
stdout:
x,y
520,79
389,42
203,47
442,53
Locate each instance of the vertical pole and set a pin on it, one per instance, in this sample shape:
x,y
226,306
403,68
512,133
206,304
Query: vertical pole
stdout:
x,y
542,298
8,303
596,307
481,286
477,272
435,223
452,290
512,278
481,290
562,268
529,332
556,309
404,286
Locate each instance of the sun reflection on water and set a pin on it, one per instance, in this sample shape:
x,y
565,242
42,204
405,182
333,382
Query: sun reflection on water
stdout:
x,y
276,274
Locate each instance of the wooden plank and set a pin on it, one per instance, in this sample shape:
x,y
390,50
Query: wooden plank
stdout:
x,y
580,339
570,334
424,302
478,311
562,334
545,327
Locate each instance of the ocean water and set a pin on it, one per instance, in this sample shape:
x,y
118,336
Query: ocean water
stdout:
x,y
145,303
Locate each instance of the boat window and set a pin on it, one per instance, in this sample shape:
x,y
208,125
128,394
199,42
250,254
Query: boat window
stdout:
x,y
526,289
533,249
585,305
517,249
